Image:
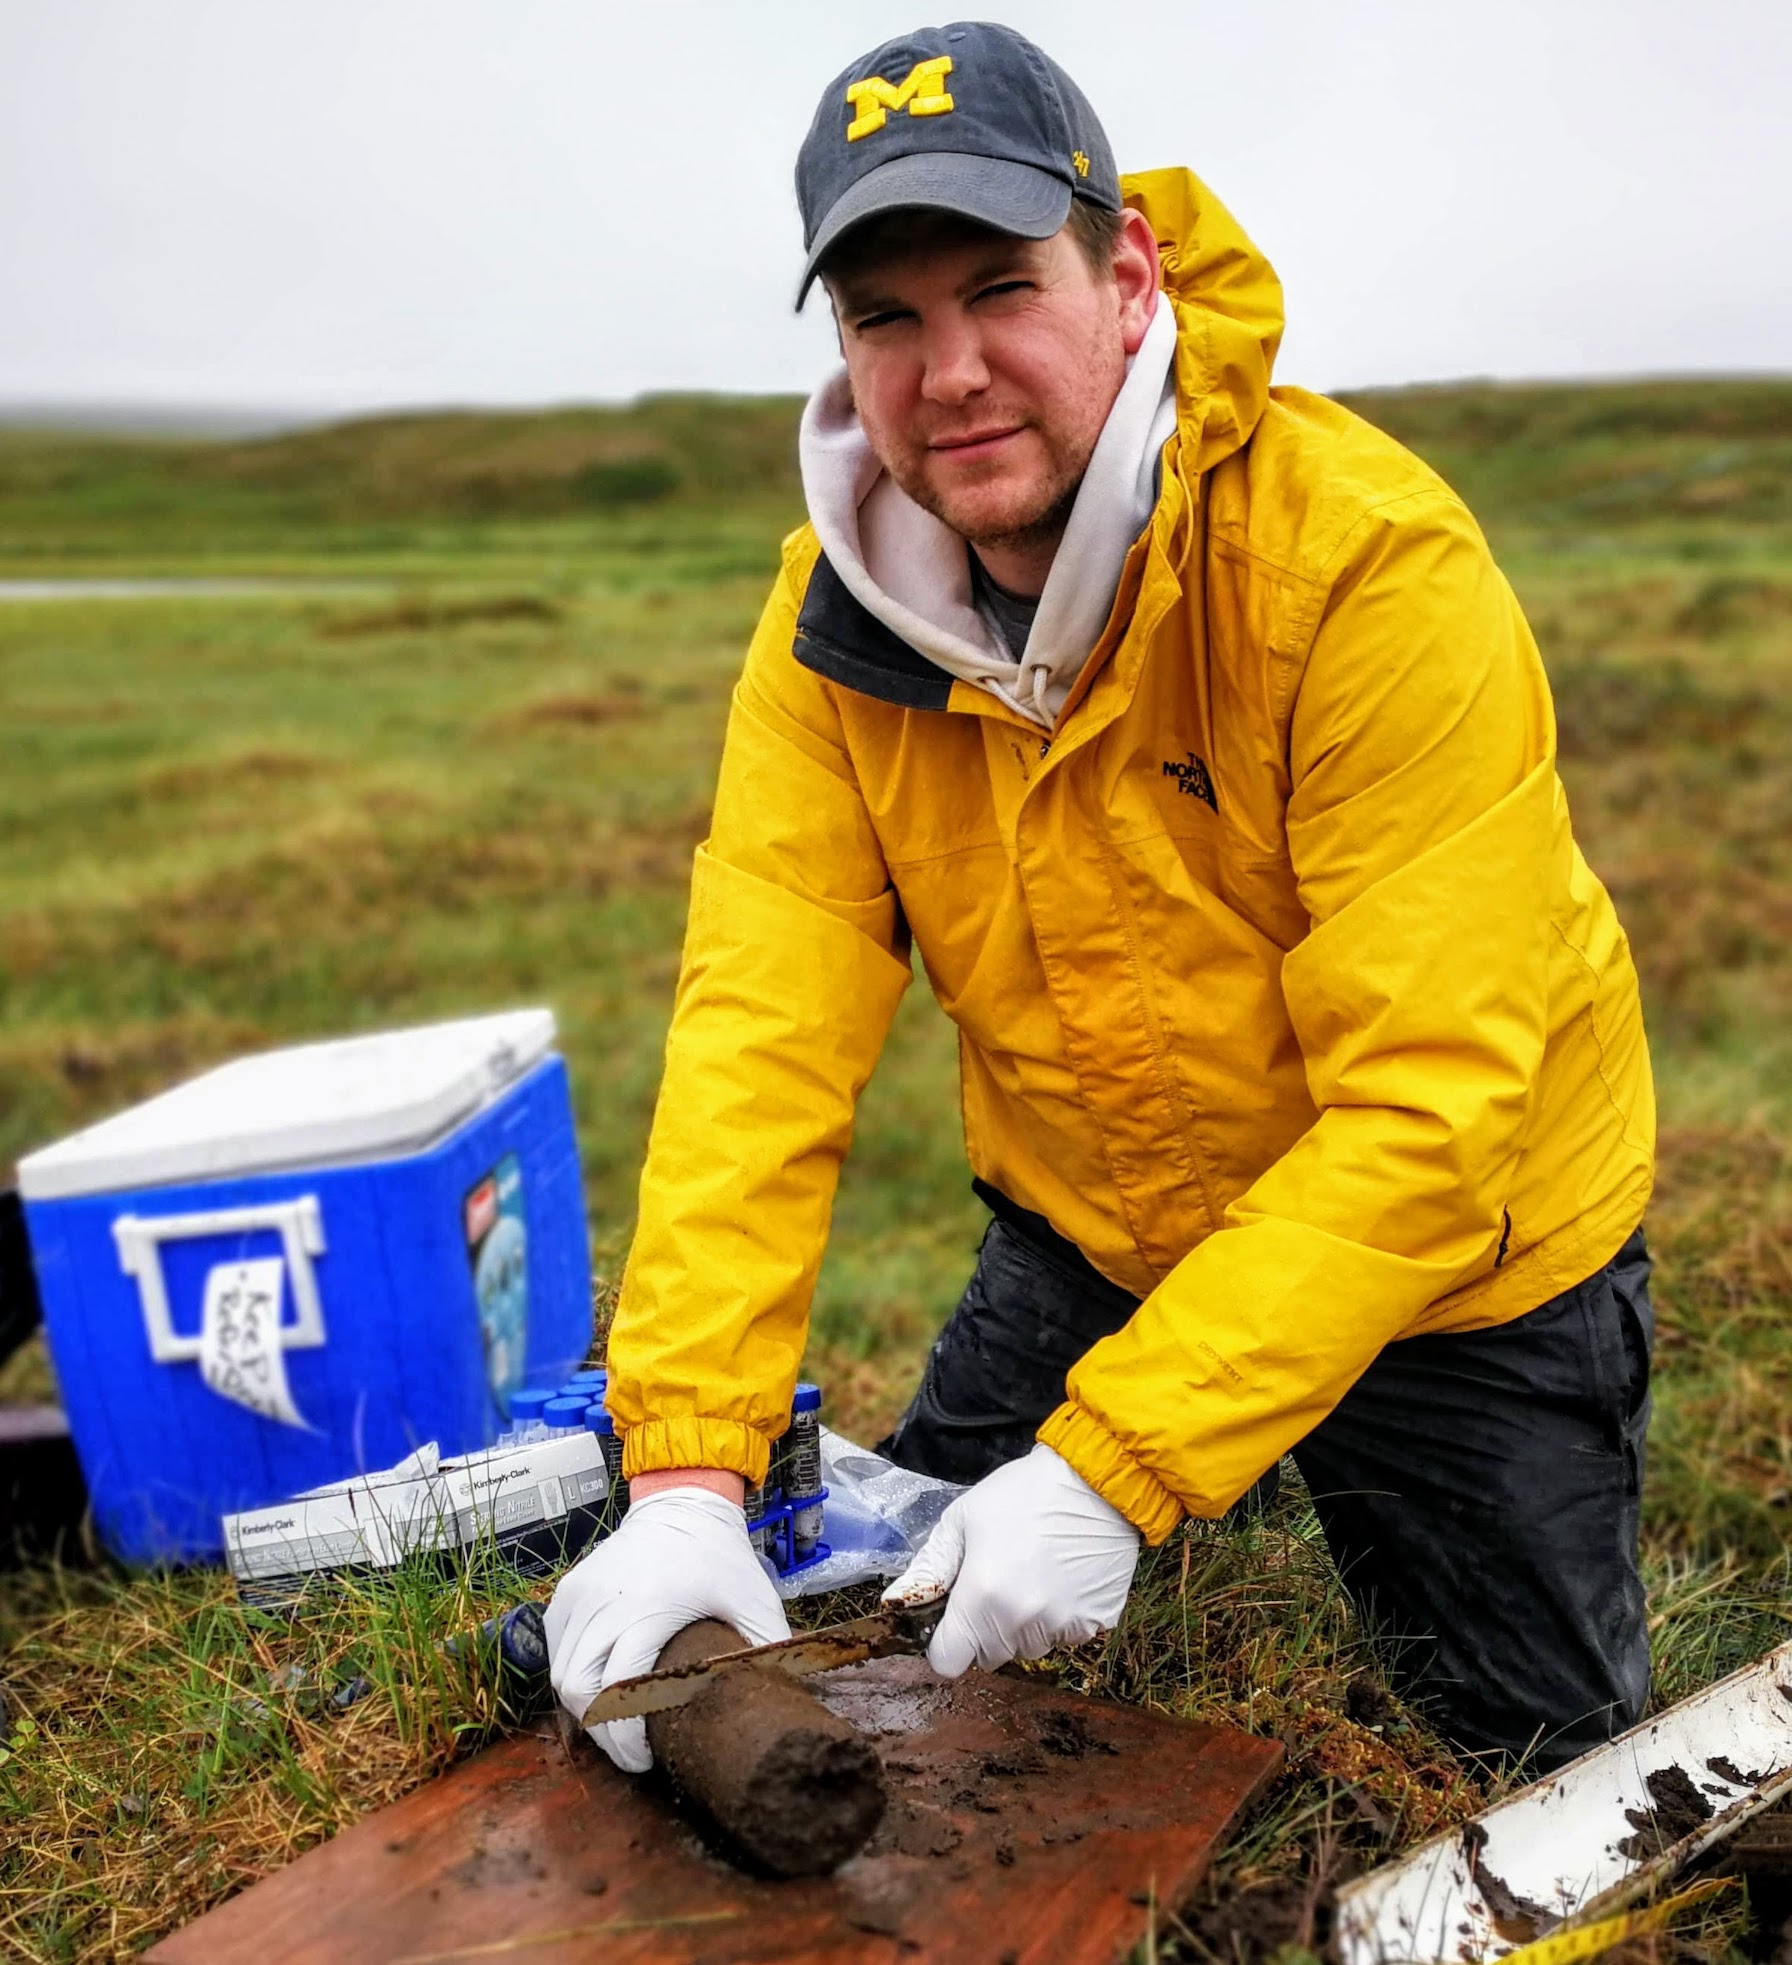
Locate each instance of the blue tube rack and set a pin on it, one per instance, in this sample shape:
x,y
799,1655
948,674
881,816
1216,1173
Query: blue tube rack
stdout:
x,y
780,1520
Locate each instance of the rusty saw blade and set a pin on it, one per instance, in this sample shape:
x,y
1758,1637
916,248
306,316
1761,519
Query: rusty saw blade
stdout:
x,y
901,1629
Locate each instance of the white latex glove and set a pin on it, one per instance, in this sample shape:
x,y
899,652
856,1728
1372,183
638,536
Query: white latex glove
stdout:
x,y
1033,1557
679,1556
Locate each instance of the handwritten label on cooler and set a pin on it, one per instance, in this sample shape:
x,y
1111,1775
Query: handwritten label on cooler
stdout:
x,y
241,1354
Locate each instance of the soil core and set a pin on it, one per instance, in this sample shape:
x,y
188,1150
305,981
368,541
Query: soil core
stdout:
x,y
785,1784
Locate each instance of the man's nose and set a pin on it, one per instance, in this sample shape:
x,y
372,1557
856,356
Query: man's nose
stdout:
x,y
953,368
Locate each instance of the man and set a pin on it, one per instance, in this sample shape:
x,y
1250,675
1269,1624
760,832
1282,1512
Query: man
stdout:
x,y
1188,731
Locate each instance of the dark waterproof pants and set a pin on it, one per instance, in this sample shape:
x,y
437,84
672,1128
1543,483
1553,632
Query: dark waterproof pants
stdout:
x,y
1478,1491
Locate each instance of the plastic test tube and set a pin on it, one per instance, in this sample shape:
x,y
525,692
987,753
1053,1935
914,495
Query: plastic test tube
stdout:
x,y
802,1470
598,1421
565,1415
758,1501
525,1418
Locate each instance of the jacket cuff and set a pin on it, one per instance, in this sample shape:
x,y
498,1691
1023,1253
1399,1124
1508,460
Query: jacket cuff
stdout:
x,y
724,1443
1113,1473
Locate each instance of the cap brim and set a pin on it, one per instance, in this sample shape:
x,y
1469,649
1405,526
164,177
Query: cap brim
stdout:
x,y
1011,197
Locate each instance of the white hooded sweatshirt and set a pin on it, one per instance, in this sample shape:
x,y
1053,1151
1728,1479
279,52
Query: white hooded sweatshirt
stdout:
x,y
913,573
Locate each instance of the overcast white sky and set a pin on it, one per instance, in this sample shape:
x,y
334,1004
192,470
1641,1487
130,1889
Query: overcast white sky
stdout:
x,y
327,204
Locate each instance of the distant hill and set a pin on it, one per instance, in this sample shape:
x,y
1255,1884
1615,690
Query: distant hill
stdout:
x,y
467,462
550,460
1584,455
1603,453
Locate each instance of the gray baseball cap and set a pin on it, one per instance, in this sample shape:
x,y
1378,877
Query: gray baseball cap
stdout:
x,y
971,118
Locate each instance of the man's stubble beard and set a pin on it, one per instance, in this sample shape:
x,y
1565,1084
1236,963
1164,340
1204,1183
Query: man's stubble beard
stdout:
x,y
1039,524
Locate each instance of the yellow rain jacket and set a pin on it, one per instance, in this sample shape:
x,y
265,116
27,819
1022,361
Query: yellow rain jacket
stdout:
x,y
1282,989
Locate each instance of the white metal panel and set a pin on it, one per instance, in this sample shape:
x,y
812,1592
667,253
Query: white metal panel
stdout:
x,y
1578,1843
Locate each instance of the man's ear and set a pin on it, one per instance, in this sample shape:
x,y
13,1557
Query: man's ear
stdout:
x,y
1135,277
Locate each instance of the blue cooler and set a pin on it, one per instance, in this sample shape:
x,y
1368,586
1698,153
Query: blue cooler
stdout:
x,y
303,1265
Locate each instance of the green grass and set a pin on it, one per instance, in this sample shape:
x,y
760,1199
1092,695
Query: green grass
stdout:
x,y
179,1745
461,763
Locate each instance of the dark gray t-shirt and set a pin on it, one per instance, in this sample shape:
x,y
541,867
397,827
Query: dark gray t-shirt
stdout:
x,y
1011,614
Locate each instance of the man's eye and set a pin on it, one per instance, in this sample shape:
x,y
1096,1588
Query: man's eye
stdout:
x,y
1004,287
866,322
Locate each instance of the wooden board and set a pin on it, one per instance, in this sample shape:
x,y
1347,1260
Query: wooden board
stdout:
x,y
1026,1824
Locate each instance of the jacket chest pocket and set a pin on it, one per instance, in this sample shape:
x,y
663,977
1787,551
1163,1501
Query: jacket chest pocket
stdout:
x,y
1177,794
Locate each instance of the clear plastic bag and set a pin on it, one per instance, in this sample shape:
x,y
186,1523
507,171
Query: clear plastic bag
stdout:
x,y
876,1518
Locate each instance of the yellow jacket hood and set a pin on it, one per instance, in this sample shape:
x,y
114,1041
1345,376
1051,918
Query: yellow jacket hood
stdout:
x,y
1228,305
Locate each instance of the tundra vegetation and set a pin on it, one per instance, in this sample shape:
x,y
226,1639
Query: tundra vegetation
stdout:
x,y
455,756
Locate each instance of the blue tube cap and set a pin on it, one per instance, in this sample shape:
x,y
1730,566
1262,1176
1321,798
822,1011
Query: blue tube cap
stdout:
x,y
598,1420
806,1399
565,1412
527,1405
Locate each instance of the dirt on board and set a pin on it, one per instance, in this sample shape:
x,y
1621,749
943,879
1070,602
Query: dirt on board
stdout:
x,y
1024,1822
1676,1809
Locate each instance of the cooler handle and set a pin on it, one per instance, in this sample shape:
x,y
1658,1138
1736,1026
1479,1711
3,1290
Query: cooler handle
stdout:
x,y
300,1226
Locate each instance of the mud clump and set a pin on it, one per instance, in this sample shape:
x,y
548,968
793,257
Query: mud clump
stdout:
x,y
911,1828
1017,1763
1070,1736
786,1786
1678,1804
1369,1705
1249,1924
1676,1808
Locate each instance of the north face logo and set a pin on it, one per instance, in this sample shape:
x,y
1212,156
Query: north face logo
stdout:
x,y
1192,778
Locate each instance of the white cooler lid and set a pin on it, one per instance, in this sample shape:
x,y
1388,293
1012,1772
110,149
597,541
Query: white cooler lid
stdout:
x,y
353,1098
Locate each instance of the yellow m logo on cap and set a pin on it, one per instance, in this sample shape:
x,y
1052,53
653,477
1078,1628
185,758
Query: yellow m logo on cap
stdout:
x,y
922,93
